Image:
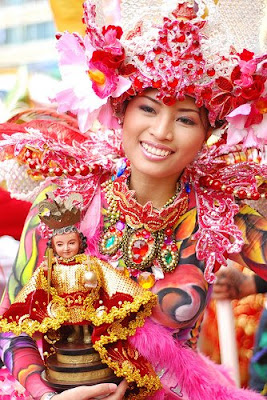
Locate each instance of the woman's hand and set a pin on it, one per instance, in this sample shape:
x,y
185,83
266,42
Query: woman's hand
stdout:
x,y
231,284
107,391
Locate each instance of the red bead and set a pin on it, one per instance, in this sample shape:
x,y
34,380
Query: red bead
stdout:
x,y
122,218
255,196
181,38
175,63
84,170
119,233
173,247
173,83
169,232
97,169
112,229
45,169
190,89
157,84
211,72
71,171
163,40
157,50
58,171
242,194
190,66
149,65
216,184
198,57
228,190
164,246
141,57
200,71
160,60
138,84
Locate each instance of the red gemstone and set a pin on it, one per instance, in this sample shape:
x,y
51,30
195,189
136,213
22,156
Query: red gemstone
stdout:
x,y
58,171
173,247
45,169
71,171
216,184
141,57
173,83
157,50
181,38
168,232
211,72
242,194
139,250
84,170
157,84
255,196
228,190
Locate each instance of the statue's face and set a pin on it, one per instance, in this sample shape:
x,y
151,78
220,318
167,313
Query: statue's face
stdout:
x,y
66,245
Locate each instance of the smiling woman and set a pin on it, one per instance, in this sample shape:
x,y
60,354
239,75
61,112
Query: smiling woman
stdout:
x,y
160,141
159,204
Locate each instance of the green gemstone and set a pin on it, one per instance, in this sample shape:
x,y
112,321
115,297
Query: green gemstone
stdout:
x,y
110,242
168,258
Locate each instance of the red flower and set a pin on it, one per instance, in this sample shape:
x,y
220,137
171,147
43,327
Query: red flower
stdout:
x,y
117,29
254,91
226,99
110,60
246,55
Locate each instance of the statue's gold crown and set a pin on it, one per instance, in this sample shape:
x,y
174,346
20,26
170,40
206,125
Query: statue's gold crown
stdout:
x,y
58,214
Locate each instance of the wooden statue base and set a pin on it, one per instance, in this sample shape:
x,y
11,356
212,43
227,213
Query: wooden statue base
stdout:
x,y
76,364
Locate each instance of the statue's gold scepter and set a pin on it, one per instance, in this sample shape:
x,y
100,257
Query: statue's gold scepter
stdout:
x,y
49,272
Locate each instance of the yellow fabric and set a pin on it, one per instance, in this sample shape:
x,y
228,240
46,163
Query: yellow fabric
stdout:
x,y
68,15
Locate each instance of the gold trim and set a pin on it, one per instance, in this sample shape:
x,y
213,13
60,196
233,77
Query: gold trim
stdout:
x,y
79,376
82,359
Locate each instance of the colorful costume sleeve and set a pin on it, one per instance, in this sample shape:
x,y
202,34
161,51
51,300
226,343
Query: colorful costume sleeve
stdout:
x,y
20,353
22,358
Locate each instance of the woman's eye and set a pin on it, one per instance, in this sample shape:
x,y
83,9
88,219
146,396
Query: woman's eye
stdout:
x,y
59,245
186,120
147,109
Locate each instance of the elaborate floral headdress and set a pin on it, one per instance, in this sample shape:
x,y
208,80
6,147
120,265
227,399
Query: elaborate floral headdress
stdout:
x,y
170,46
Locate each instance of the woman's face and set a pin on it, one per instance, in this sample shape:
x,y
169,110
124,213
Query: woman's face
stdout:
x,y
160,140
66,245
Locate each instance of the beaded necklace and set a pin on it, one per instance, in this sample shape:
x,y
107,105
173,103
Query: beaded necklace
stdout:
x,y
145,236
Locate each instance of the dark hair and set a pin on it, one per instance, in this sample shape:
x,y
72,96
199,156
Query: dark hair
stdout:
x,y
69,229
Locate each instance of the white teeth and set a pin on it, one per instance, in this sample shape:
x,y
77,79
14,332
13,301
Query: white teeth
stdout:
x,y
155,151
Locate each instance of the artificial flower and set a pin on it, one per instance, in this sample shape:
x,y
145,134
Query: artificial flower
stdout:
x,y
89,77
246,126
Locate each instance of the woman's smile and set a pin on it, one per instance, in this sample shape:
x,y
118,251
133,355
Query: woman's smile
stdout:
x,y
155,151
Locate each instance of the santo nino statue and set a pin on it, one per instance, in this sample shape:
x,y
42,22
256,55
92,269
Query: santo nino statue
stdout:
x,y
70,290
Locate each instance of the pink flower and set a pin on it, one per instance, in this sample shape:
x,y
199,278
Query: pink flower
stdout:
x,y
246,125
87,82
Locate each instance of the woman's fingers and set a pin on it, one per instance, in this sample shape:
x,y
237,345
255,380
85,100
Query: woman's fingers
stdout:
x,y
89,392
118,395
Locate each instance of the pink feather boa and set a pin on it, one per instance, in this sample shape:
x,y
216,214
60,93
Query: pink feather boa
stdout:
x,y
185,374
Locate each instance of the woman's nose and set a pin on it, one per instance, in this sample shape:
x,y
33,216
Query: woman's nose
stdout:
x,y
162,129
